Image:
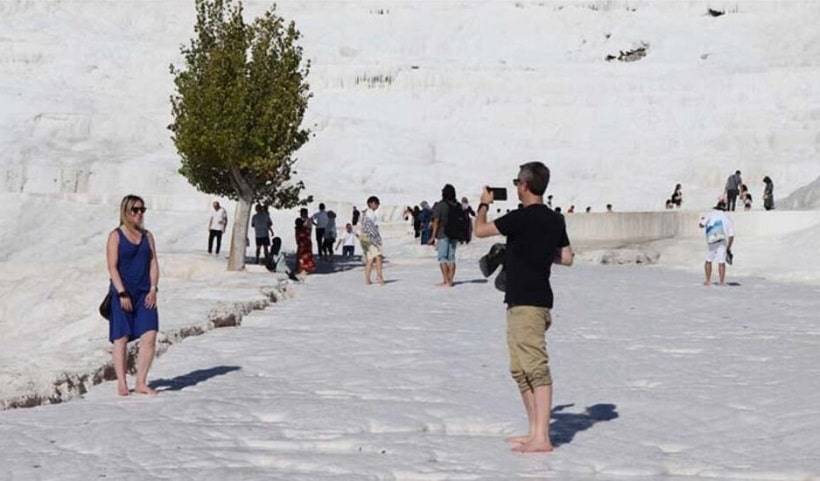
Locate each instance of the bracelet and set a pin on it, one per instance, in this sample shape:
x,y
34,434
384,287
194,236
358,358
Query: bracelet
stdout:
x,y
154,288
122,294
483,205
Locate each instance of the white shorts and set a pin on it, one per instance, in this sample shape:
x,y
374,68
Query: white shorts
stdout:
x,y
716,252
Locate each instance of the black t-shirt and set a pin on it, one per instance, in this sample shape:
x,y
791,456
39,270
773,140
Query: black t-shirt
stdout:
x,y
534,234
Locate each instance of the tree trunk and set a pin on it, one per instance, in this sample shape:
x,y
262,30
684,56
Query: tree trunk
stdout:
x,y
239,235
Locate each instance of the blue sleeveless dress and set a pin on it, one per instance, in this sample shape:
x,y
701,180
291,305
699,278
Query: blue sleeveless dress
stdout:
x,y
133,265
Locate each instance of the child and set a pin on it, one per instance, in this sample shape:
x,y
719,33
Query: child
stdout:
x,y
348,242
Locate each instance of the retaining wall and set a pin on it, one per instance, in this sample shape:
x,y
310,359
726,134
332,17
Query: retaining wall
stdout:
x,y
623,228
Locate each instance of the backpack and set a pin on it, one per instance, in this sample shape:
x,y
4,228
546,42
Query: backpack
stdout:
x,y
456,227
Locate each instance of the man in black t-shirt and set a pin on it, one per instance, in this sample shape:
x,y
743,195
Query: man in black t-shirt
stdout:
x,y
536,238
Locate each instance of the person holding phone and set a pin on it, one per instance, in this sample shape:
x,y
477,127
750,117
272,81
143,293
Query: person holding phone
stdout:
x,y
134,271
536,238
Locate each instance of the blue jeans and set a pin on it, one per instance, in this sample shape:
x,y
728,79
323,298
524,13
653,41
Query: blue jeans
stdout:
x,y
446,250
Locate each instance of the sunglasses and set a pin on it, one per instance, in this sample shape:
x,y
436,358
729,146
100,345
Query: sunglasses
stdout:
x,y
138,210
516,181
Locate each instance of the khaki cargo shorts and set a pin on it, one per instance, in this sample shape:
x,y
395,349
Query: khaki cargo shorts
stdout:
x,y
529,362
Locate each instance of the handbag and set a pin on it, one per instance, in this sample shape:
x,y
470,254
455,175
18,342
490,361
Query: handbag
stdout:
x,y
105,307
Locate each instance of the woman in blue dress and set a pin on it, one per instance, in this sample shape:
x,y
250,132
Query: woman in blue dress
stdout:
x,y
134,271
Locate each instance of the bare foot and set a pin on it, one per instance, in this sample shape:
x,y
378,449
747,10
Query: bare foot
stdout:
x,y
441,284
707,283
367,282
533,446
381,281
518,439
122,389
145,390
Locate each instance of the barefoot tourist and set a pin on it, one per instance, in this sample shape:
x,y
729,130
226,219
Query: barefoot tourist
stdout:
x,y
720,234
449,227
134,272
371,241
536,238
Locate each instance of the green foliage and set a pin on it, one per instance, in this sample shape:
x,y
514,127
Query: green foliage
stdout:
x,y
240,99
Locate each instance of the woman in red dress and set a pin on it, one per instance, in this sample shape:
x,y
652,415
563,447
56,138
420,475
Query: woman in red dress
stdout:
x,y
304,249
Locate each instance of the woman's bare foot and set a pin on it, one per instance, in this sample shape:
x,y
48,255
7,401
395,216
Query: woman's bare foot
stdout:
x,y
380,281
122,389
518,439
145,390
534,446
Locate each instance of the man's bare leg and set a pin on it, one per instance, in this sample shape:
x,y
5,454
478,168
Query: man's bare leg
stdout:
x,y
528,399
540,442
443,267
119,355
722,273
707,267
452,278
144,360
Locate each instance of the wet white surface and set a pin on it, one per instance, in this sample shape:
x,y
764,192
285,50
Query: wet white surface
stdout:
x,y
408,381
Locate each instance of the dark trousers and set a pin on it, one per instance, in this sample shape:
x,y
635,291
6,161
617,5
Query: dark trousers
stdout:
x,y
731,199
214,234
328,247
320,241
348,251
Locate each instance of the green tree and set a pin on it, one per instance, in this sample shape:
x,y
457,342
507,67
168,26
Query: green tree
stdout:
x,y
240,99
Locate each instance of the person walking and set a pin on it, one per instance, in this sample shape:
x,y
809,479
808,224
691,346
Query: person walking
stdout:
x,y
416,222
425,221
371,241
469,213
133,268
304,250
448,229
768,193
677,196
217,225
733,189
720,234
536,238
330,234
319,219
263,230
354,220
348,241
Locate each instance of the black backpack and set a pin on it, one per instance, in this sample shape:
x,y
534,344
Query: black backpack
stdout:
x,y
456,227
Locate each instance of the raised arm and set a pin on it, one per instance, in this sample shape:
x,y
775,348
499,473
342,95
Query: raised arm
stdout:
x,y
482,227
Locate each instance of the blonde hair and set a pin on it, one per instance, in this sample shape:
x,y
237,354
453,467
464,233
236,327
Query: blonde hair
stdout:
x,y
127,202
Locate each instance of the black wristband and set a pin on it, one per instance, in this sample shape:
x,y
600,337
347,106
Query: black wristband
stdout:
x,y
122,294
483,205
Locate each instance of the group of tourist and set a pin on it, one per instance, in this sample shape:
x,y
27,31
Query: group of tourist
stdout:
x,y
734,189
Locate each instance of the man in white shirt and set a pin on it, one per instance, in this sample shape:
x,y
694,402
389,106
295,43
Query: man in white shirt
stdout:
x,y
217,224
720,234
320,220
